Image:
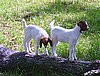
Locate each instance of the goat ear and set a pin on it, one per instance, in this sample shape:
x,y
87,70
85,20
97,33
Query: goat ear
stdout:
x,y
50,41
40,43
79,24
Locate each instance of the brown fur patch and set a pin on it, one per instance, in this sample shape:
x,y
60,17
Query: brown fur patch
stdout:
x,y
83,25
44,40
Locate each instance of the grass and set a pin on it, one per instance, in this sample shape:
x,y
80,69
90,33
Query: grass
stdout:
x,y
66,13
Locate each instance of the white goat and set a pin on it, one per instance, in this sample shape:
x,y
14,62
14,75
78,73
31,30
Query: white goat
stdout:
x,y
38,34
67,35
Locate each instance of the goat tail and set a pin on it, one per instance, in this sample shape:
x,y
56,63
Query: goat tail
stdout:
x,y
52,24
24,23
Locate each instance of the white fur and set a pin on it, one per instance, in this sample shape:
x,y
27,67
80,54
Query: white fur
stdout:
x,y
70,36
35,32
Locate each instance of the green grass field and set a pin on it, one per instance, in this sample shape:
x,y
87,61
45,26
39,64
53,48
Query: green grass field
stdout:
x,y
41,12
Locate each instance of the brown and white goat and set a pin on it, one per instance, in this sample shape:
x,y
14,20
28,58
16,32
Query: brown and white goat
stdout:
x,y
36,33
70,36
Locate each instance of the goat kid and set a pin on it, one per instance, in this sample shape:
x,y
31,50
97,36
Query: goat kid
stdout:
x,y
70,36
38,34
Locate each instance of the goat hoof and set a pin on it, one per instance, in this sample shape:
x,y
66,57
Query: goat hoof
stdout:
x,y
75,58
71,59
55,55
27,52
47,54
36,54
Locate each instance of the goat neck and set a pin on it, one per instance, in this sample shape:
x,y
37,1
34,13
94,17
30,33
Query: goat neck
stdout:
x,y
76,30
